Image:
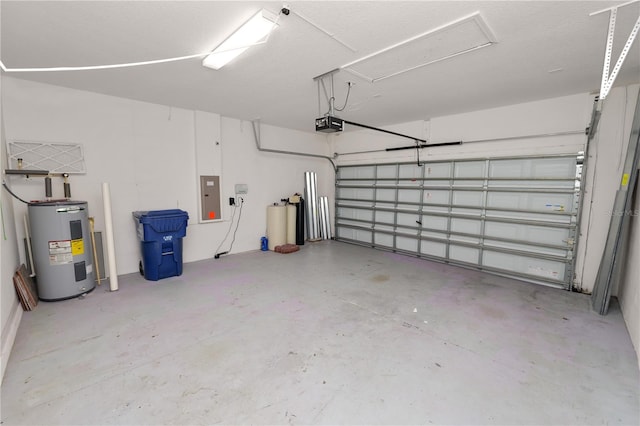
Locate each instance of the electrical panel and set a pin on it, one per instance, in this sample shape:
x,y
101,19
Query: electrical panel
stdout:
x,y
210,198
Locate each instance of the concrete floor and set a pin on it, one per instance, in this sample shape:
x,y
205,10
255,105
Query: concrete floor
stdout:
x,y
333,334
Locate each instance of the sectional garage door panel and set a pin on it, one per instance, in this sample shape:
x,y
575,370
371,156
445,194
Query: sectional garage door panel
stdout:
x,y
346,233
510,216
527,234
526,266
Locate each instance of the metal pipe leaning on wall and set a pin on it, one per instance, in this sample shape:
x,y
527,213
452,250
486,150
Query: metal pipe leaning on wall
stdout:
x,y
325,224
311,207
108,229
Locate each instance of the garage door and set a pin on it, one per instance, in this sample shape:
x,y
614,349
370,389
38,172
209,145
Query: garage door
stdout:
x,y
510,216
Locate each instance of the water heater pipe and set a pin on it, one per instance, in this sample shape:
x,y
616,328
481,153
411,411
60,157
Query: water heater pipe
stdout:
x,y
67,186
47,188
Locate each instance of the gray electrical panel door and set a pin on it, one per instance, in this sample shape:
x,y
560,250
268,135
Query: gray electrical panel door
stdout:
x,y
210,198
510,216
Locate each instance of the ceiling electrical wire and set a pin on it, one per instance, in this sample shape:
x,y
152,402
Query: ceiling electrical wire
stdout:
x,y
326,95
331,99
319,103
102,67
129,64
318,27
347,98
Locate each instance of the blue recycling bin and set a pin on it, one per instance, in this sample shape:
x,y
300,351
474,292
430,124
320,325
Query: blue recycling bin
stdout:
x,y
160,233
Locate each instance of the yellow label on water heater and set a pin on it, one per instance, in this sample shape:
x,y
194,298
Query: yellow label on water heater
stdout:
x,y
625,179
77,247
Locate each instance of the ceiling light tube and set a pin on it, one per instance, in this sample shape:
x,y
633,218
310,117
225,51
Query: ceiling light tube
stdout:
x,y
251,33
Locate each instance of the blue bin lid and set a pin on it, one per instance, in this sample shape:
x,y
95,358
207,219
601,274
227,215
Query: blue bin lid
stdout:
x,y
159,214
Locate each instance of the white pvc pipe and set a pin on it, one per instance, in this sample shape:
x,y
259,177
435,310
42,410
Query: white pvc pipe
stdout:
x,y
108,228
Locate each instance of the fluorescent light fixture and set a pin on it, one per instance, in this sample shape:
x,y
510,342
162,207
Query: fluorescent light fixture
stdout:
x,y
251,33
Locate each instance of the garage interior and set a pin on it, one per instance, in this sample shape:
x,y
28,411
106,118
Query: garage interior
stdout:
x,y
470,175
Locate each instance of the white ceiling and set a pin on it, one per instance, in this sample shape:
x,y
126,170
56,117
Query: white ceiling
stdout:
x,y
274,81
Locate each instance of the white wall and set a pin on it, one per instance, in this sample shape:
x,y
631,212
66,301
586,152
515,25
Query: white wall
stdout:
x,y
570,113
151,156
10,309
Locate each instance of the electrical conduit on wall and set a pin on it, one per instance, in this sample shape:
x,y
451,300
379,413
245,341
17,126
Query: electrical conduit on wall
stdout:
x,y
255,125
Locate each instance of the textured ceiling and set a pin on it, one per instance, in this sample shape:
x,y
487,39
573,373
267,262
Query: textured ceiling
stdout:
x,y
275,81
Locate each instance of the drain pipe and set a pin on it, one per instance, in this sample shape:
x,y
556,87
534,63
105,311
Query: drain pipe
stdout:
x,y
255,125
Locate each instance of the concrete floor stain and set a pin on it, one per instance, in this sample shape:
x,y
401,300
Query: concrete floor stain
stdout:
x,y
380,278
